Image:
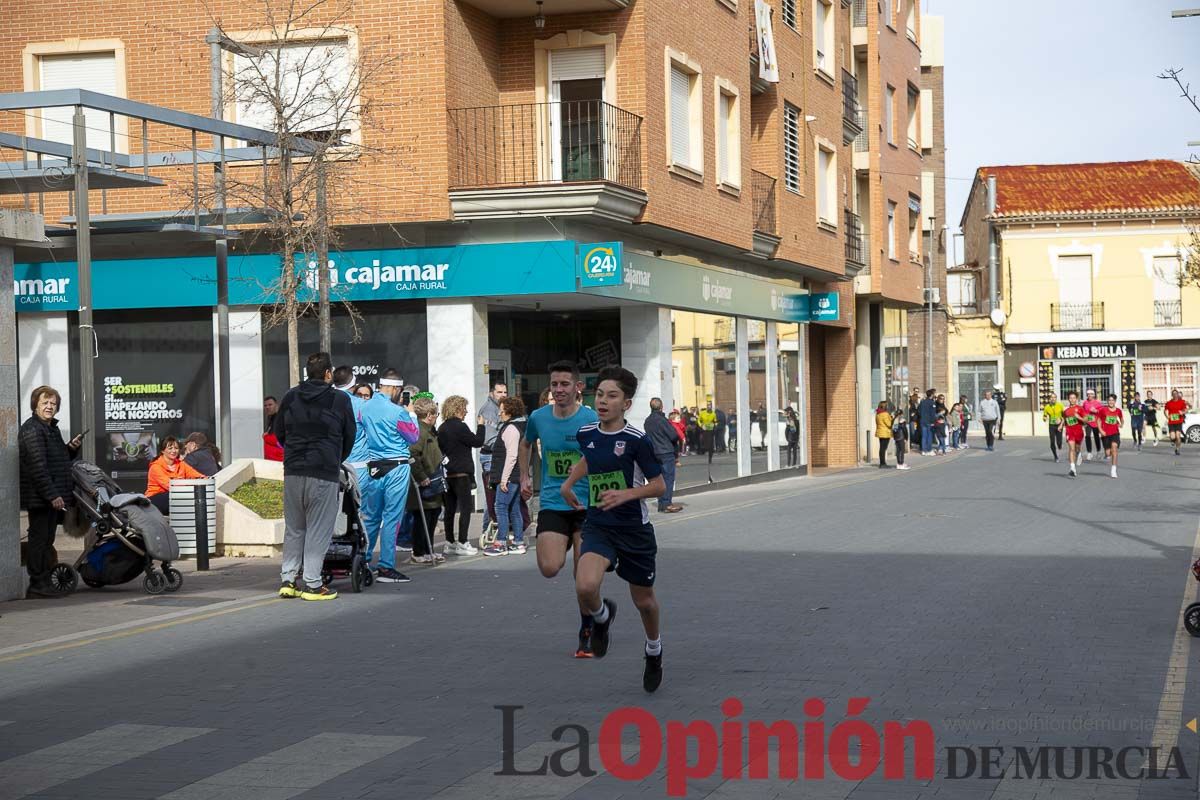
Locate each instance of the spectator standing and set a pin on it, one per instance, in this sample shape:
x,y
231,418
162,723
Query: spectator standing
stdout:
x,y
733,423
506,478
201,454
363,391
457,442
954,425
677,424
927,415
914,417
1002,401
791,434
45,486
989,414
900,437
390,430
272,451
164,469
761,419
665,440
721,431
707,420
941,424
490,412
316,427
883,431
428,477
968,414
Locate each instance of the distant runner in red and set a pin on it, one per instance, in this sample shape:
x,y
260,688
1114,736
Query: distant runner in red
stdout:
x,y
1111,420
1072,424
1176,409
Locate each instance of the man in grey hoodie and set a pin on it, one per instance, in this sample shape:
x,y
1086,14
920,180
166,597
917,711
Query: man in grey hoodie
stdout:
x,y
989,415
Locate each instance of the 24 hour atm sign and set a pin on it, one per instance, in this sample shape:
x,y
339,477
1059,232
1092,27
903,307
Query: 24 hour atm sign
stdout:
x,y
600,264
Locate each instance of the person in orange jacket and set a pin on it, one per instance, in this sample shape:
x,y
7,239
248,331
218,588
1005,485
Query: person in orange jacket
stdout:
x,y
167,467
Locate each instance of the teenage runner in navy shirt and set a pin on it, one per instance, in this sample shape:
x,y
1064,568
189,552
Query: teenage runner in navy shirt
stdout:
x,y
622,473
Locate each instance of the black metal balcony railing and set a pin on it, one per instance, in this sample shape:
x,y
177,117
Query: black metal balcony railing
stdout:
x,y
856,253
1077,316
849,96
762,192
859,13
1168,313
862,142
567,142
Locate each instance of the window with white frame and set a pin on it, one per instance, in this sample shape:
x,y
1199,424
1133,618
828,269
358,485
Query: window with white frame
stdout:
x,y
891,230
686,138
885,12
791,147
1168,291
914,229
960,292
889,110
910,20
304,87
826,184
788,11
823,18
96,72
728,124
1162,378
914,105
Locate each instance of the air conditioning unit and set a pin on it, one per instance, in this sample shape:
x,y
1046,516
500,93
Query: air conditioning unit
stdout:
x,y
933,296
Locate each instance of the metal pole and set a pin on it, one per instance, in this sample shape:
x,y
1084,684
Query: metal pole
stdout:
x,y
993,254
323,257
225,423
83,257
200,504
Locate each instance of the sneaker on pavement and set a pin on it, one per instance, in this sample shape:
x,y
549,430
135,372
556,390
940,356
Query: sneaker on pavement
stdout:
x,y
288,589
467,549
1071,471
404,548
496,549
516,549
600,630
1114,472
584,650
903,466
437,557
652,673
425,559
319,593
389,575
43,590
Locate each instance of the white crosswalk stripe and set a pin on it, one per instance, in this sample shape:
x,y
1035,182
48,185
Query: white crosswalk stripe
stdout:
x,y
51,766
4,722
295,769
486,783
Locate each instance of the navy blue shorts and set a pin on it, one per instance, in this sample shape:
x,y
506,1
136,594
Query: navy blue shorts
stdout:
x,y
631,550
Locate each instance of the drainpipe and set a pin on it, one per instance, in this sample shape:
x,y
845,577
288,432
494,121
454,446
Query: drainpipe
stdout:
x,y
993,254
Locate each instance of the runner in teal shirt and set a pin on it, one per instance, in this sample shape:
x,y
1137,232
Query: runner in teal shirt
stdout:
x,y
560,452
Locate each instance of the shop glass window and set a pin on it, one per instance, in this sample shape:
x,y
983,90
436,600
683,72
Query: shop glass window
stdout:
x,y
1162,378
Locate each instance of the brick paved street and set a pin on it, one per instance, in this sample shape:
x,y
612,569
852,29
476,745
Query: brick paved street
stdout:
x,y
983,592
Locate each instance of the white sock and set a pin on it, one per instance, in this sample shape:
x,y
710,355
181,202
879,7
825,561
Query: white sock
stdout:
x,y
654,647
600,617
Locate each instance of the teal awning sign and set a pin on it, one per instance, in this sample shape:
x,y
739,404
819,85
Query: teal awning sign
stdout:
x,y
818,307
600,264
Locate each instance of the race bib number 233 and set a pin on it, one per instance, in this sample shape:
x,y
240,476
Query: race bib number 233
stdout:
x,y
603,482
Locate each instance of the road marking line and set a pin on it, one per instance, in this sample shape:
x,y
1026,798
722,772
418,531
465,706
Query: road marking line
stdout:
x,y
295,769
485,782
4,722
1170,705
51,766
1016,453
79,640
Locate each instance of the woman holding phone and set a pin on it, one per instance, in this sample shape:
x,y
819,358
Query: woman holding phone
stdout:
x,y
45,484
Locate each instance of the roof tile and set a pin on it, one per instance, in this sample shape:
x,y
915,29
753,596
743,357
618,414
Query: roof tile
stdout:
x,y
1083,189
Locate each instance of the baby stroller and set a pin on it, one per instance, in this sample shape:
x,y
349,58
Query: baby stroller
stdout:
x,y
345,556
1191,614
124,534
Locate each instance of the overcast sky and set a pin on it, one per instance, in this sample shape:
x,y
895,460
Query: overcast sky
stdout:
x,y
1057,81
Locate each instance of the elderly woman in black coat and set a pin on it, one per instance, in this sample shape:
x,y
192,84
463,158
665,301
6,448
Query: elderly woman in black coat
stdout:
x,y
45,484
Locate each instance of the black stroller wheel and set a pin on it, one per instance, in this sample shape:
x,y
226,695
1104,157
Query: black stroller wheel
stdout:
x,y
63,578
174,579
357,567
1191,619
154,583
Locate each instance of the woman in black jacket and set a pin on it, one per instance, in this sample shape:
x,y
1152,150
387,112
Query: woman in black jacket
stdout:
x,y
457,444
201,454
45,484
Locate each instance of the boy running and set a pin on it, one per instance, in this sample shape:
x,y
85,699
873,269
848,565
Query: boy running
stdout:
x,y
1176,409
1137,419
558,523
1152,415
1052,414
1111,420
1072,424
624,473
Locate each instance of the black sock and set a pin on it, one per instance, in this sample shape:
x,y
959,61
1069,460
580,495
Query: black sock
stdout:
x,y
585,620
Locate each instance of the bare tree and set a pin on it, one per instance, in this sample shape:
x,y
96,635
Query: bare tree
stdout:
x,y
1189,273
305,78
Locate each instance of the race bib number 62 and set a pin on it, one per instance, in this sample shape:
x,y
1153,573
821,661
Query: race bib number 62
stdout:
x,y
559,463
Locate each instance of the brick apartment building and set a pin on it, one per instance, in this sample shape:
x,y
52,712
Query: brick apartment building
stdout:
x,y
521,138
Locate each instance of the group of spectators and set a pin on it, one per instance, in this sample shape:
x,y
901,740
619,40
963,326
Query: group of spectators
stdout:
x,y
933,426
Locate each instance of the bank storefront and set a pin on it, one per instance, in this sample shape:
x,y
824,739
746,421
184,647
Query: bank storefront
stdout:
x,y
451,319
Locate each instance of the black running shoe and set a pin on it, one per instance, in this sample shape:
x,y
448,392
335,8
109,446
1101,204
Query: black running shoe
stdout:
x,y
652,674
585,643
600,630
389,575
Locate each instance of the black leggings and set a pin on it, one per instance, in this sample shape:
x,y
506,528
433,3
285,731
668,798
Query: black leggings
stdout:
x,y
1090,433
1056,440
39,552
418,537
793,450
162,501
1138,434
459,501
883,446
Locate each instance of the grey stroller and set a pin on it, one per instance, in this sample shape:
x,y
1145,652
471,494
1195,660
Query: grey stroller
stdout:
x,y
124,534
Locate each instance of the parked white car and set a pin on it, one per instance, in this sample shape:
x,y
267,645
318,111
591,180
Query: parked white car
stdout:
x,y
1191,427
